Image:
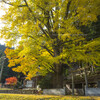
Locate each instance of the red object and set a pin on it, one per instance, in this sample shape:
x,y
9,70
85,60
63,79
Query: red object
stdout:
x,y
11,81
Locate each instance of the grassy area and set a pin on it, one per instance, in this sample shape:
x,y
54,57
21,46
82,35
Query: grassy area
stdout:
x,y
43,97
6,89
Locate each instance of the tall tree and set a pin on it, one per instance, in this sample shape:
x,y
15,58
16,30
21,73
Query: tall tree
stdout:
x,y
49,34
6,71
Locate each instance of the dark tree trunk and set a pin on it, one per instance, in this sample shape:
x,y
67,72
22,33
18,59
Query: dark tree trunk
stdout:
x,y
86,80
58,67
57,77
72,84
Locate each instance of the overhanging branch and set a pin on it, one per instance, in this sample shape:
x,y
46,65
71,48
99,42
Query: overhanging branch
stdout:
x,y
51,53
13,4
43,30
27,5
67,9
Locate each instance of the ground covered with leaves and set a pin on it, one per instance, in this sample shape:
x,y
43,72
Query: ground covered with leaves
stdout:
x,y
44,97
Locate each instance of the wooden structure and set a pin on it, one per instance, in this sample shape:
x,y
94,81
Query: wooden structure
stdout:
x,y
81,78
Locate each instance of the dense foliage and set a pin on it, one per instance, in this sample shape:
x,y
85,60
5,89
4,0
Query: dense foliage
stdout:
x,y
7,72
50,35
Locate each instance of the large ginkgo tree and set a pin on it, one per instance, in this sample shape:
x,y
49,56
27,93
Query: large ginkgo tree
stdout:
x,y
48,35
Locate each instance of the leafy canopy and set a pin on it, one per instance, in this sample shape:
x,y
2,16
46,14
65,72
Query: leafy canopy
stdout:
x,y
49,32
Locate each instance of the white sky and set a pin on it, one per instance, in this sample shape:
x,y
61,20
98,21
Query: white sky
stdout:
x,y
2,12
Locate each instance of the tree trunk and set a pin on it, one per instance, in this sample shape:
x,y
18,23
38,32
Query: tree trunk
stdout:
x,y
58,69
57,78
72,84
2,68
86,80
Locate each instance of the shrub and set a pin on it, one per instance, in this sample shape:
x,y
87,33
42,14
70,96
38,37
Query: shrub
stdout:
x,y
12,81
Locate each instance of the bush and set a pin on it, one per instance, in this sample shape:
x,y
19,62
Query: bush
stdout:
x,y
11,81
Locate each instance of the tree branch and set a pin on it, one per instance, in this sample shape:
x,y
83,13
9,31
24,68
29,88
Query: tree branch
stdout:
x,y
27,5
31,36
67,9
43,30
13,5
51,53
40,7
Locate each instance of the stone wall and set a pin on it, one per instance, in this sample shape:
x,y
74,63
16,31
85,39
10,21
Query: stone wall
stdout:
x,y
54,91
92,91
79,92
76,91
20,91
